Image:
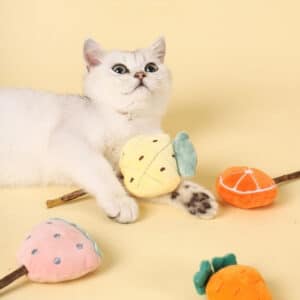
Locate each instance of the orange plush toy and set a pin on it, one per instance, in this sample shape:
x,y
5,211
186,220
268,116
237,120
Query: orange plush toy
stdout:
x,y
225,280
246,187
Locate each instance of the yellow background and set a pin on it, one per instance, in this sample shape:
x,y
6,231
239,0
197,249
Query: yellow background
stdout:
x,y
236,67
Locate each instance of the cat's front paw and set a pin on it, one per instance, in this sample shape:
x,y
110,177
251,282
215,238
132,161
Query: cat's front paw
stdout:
x,y
196,200
125,210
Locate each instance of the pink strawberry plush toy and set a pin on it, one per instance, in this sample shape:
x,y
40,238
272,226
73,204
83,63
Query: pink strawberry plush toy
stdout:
x,y
55,251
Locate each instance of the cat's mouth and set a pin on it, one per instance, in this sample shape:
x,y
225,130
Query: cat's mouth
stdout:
x,y
139,86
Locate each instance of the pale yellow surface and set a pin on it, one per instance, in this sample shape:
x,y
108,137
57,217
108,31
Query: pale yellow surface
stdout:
x,y
236,68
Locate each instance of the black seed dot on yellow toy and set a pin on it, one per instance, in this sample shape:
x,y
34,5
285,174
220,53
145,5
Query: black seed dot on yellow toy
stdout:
x,y
162,169
155,141
141,157
173,155
131,179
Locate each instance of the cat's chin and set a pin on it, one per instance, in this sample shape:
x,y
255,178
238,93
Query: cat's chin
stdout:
x,y
139,96
142,93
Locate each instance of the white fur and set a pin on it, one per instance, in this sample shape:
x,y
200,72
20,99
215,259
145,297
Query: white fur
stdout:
x,y
47,138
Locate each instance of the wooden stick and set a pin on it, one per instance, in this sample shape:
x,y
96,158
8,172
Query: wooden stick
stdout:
x,y
5,281
65,198
290,176
79,193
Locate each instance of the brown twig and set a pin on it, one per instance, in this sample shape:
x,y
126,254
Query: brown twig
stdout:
x,y
65,198
79,193
287,177
72,196
5,281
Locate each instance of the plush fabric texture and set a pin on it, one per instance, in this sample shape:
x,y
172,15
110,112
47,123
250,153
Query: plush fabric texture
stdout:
x,y
57,250
239,283
222,262
246,187
186,156
148,164
201,278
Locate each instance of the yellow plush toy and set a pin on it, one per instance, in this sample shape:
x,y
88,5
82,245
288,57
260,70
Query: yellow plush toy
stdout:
x,y
153,165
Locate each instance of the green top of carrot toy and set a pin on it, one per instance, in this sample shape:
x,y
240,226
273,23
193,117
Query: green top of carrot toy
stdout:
x,y
202,277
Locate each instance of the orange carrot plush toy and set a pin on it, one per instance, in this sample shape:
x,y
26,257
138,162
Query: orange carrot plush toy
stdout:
x,y
246,187
225,280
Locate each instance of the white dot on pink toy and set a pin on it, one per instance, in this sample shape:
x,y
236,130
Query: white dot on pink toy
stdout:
x,y
58,251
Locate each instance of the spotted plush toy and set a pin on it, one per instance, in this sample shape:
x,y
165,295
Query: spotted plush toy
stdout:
x,y
55,251
226,280
154,165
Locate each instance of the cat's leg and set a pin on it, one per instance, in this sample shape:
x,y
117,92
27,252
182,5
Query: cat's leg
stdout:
x,y
193,198
93,172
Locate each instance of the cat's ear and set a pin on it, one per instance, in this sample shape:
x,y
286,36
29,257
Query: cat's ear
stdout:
x,y
92,53
158,48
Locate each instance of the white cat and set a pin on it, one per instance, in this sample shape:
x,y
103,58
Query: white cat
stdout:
x,y
62,139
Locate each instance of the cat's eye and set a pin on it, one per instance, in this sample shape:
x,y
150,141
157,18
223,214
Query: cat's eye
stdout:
x,y
151,67
120,69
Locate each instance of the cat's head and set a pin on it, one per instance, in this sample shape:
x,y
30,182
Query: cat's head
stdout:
x,y
136,82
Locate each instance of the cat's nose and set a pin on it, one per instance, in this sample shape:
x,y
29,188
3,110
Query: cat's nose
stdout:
x,y
140,75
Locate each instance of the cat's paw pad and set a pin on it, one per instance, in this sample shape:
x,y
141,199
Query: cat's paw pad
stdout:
x,y
197,200
127,212
202,205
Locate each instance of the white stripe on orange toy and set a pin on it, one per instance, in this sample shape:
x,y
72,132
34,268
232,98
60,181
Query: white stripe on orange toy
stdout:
x,y
235,188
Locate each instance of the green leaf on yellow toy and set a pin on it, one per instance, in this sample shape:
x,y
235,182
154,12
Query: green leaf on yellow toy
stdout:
x,y
186,156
